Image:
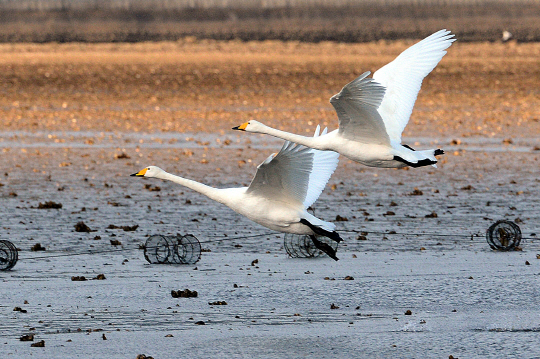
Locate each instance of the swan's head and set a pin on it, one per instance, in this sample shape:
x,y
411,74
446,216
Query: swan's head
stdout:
x,y
150,171
250,126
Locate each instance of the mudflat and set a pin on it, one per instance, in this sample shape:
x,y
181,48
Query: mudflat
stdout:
x,y
77,119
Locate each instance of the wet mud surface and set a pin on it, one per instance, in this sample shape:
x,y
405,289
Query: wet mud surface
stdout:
x,y
424,251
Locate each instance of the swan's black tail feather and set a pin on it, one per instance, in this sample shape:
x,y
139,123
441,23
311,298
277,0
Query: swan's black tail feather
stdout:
x,y
325,247
322,232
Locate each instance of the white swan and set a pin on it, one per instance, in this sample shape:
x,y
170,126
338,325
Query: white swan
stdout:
x,y
373,112
284,186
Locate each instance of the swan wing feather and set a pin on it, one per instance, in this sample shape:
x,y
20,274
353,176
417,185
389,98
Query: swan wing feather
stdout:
x,y
284,177
403,77
356,106
296,175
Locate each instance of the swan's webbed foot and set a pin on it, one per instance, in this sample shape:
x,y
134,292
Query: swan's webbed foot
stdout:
x,y
326,248
421,163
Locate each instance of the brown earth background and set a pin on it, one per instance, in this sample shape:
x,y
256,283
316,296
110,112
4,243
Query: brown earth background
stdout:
x,y
478,89
206,65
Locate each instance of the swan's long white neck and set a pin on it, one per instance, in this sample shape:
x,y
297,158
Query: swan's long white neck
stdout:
x,y
213,193
312,142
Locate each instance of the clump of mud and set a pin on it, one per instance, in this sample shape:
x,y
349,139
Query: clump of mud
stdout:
x,y
49,205
38,247
82,227
125,228
186,293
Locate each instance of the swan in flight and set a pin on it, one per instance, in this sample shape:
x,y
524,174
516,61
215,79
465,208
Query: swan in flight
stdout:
x,y
284,186
373,112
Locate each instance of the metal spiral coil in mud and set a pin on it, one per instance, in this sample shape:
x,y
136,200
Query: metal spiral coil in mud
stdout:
x,y
503,235
172,249
8,255
301,246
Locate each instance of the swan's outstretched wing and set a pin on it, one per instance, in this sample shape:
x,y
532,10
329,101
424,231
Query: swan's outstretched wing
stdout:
x,y
296,175
403,77
284,176
356,106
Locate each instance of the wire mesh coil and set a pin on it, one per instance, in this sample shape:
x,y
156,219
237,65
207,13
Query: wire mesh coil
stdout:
x,y
503,235
8,255
301,246
177,249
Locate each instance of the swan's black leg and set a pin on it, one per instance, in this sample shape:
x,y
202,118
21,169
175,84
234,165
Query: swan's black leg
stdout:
x,y
324,247
421,163
322,232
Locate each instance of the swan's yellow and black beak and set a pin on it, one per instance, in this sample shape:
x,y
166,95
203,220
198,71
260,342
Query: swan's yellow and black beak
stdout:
x,y
141,173
242,127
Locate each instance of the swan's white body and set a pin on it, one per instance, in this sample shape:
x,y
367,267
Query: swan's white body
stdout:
x,y
285,185
373,112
